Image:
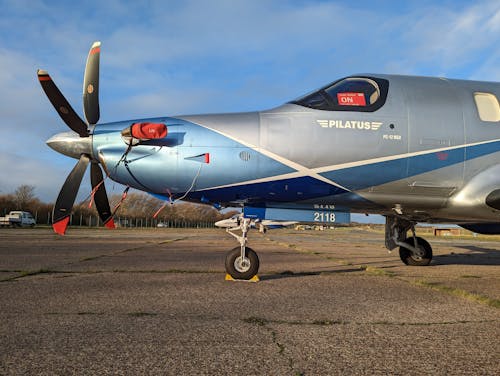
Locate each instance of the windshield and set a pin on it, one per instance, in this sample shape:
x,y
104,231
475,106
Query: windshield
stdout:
x,y
349,94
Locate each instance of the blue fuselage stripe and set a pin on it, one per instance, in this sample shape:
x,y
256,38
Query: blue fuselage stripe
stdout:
x,y
373,174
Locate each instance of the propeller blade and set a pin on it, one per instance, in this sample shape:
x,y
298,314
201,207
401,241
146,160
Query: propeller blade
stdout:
x,y
67,196
100,195
91,85
63,108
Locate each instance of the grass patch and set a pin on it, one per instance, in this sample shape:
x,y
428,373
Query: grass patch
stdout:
x,y
91,258
171,240
388,323
469,276
478,298
35,272
256,320
84,313
28,273
158,271
141,314
380,272
327,322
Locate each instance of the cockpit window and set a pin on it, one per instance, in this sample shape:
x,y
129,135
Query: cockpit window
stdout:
x,y
354,92
349,94
317,100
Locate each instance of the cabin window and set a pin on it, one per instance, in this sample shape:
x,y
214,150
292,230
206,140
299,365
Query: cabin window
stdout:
x,y
487,107
362,94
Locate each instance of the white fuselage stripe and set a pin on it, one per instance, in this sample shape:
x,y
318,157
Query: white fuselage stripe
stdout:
x,y
303,171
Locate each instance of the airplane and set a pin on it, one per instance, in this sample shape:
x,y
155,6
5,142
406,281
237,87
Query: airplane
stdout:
x,y
412,149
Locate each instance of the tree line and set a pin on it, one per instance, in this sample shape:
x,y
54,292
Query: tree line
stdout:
x,y
135,205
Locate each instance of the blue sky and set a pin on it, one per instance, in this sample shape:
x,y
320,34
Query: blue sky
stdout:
x,y
179,57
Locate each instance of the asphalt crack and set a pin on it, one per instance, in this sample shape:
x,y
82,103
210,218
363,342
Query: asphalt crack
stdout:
x,y
267,325
260,321
26,273
68,273
148,245
54,269
281,348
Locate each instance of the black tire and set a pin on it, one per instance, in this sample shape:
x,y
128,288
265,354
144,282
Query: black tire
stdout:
x,y
238,271
409,258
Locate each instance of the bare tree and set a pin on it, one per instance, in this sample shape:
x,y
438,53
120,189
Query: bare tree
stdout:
x,y
138,205
24,196
145,206
7,204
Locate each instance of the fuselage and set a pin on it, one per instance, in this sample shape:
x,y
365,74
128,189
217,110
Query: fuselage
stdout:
x,y
425,148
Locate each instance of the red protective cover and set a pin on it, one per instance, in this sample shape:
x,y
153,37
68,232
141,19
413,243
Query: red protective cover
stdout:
x,y
148,131
351,99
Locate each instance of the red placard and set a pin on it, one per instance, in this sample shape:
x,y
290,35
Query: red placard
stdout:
x,y
351,99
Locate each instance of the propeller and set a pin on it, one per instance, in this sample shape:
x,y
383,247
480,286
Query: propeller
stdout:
x,y
91,85
78,145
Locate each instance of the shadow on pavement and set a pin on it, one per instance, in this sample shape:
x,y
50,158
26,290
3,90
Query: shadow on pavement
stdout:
x,y
290,274
481,256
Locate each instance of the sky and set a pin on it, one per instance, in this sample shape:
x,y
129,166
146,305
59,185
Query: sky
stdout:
x,y
162,58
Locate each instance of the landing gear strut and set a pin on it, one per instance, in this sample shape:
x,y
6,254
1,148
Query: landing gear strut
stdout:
x,y
242,262
413,250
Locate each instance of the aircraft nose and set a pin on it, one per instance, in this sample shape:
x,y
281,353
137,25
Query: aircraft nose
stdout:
x,y
70,144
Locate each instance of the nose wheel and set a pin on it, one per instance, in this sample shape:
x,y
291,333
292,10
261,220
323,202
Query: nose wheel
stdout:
x,y
240,267
242,262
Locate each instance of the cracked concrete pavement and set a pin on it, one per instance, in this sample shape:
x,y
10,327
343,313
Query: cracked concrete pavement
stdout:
x,y
333,302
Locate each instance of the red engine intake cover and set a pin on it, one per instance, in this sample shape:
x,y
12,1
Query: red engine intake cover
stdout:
x,y
148,131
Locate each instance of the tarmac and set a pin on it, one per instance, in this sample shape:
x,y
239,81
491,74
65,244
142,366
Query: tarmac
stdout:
x,y
155,302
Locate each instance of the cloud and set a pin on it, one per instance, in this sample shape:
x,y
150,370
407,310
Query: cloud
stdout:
x,y
191,56
447,40
46,177
489,69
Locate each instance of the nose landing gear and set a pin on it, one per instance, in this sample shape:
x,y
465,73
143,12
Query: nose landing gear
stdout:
x,y
242,263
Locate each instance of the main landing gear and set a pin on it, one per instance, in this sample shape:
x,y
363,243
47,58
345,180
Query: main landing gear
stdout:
x,y
413,250
242,262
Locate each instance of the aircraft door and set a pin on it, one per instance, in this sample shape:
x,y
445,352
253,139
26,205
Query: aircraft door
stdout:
x,y
436,125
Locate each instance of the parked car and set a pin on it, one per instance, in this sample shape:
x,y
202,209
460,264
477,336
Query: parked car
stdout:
x,y
18,219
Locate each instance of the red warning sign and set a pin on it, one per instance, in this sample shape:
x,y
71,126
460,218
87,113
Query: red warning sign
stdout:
x,y
351,99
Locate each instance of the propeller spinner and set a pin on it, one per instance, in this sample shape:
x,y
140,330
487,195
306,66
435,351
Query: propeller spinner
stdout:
x,y
78,145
